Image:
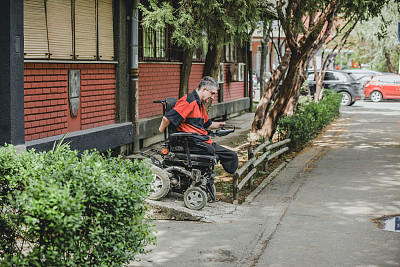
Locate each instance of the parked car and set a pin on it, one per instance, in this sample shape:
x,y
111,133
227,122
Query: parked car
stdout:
x,y
341,82
383,87
363,75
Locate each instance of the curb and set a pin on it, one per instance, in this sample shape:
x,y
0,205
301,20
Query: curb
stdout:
x,y
172,208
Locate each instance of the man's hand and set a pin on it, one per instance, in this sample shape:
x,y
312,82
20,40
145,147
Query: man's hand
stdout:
x,y
216,124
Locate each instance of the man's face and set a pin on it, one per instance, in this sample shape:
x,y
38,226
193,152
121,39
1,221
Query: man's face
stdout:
x,y
208,95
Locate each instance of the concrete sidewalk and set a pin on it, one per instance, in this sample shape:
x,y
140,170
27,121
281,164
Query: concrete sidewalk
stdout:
x,y
318,211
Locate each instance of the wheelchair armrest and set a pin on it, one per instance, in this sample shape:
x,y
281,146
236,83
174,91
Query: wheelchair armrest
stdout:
x,y
221,132
182,134
224,132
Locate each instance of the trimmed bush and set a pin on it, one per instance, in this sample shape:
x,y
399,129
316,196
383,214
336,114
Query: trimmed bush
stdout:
x,y
59,208
310,117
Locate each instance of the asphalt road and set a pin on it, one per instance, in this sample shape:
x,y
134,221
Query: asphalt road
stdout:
x,y
319,211
372,106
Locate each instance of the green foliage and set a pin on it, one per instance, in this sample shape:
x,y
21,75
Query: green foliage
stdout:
x,y
376,37
225,186
310,117
59,208
191,20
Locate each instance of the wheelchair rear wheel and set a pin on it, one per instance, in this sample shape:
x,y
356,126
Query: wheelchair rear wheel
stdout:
x,y
195,198
161,184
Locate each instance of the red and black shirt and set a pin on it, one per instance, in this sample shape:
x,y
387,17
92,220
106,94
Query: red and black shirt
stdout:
x,y
189,115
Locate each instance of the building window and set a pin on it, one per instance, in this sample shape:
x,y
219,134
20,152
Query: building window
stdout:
x,y
229,53
160,43
154,44
74,30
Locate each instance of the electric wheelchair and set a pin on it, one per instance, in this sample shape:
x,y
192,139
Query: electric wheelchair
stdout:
x,y
184,165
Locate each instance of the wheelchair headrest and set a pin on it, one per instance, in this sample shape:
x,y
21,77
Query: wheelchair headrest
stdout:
x,y
170,103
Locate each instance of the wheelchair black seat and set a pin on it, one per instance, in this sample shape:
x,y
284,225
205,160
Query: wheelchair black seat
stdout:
x,y
195,144
170,104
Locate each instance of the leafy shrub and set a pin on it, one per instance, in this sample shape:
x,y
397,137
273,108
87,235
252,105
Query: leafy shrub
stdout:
x,y
59,208
310,117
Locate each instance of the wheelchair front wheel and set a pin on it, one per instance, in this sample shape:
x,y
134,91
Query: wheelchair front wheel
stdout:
x,y
160,185
195,198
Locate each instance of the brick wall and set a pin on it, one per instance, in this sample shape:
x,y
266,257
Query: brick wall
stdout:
x,y
195,76
233,90
46,98
98,96
156,81
160,80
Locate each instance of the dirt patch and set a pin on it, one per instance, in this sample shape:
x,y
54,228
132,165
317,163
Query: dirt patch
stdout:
x,y
224,181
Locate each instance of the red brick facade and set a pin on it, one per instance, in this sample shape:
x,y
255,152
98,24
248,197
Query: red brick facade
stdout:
x,y
46,98
156,81
232,90
160,80
47,110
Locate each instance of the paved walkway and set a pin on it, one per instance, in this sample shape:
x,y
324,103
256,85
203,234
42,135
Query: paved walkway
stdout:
x,y
318,211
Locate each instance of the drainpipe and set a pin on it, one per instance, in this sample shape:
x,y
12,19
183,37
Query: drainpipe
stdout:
x,y
134,74
250,72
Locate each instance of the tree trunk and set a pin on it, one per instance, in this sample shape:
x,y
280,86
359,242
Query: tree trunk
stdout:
x,y
319,78
301,48
320,89
389,62
292,104
264,54
185,71
211,66
288,90
266,99
213,58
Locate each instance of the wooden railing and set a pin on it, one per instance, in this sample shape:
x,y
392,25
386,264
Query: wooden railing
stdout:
x,y
253,161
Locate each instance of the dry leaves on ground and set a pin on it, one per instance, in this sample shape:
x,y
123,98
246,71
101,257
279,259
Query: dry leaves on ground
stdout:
x,y
224,181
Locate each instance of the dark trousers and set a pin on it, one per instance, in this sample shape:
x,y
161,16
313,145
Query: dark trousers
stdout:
x,y
228,158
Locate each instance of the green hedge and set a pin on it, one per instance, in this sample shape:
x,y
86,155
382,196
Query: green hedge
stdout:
x,y
60,208
310,117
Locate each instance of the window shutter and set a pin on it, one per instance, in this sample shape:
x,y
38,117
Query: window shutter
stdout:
x,y
85,29
59,29
35,33
105,26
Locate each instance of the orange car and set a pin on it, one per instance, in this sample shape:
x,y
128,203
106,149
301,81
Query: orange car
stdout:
x,y
383,87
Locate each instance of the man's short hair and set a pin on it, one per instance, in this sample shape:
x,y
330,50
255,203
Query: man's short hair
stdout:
x,y
209,83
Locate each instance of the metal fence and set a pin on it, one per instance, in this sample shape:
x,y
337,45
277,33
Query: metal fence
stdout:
x,y
254,159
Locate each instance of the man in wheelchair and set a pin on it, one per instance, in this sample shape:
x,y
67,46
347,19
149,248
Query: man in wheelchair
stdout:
x,y
189,154
189,115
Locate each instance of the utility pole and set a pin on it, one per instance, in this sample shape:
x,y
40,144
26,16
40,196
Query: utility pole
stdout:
x,y
250,72
134,74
